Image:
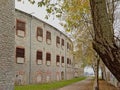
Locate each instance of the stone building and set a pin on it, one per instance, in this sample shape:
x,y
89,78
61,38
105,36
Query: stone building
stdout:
x,y
7,43
43,53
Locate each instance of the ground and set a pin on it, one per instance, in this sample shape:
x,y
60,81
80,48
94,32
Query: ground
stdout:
x,y
88,85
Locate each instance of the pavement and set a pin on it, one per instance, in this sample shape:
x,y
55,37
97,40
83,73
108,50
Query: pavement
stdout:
x,y
88,85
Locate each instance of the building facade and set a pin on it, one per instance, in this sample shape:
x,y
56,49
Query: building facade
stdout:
x,y
7,42
43,53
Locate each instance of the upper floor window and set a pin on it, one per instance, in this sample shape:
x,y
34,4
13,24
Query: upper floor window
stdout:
x,y
67,45
62,61
39,57
39,34
48,37
48,58
20,28
57,60
68,62
20,55
62,42
57,41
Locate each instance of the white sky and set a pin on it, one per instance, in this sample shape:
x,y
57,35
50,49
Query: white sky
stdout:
x,y
38,12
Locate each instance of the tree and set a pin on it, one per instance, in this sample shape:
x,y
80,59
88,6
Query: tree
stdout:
x,y
7,42
104,42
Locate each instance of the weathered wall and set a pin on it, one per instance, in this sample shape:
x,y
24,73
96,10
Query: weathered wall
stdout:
x,y
34,73
7,42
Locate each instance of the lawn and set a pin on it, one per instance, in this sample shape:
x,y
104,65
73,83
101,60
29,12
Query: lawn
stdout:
x,y
49,86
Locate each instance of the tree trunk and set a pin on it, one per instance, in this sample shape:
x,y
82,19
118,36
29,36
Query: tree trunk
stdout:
x,y
7,42
96,71
104,43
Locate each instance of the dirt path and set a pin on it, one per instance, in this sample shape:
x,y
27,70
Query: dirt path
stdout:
x,y
106,86
82,85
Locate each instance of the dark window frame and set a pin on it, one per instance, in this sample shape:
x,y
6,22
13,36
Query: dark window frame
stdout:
x,y
20,27
57,40
39,32
48,35
48,56
62,42
39,56
20,52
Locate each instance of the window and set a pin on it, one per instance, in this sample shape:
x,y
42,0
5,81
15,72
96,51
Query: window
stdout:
x,y
20,55
57,41
48,58
20,28
48,37
62,61
68,62
39,34
67,45
62,42
39,57
57,60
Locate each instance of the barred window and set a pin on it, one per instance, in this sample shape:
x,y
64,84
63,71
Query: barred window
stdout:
x,y
67,45
48,57
20,28
57,58
39,32
62,59
67,60
58,40
20,55
48,35
20,52
62,42
39,55
20,25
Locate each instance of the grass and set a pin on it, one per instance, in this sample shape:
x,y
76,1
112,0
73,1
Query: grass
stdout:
x,y
49,86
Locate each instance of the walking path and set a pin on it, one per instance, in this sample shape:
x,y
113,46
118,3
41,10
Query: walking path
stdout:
x,y
106,86
88,85
82,85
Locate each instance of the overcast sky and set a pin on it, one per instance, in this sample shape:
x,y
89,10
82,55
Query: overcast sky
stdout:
x,y
38,12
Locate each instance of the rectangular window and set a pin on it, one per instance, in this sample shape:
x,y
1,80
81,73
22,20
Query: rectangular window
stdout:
x,y
20,55
62,42
20,28
57,60
39,57
39,34
68,46
67,60
58,40
62,61
48,58
48,37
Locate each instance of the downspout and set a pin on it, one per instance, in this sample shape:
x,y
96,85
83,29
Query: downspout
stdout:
x,y
30,57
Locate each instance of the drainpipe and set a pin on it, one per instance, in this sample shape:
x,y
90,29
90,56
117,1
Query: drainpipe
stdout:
x,y
65,60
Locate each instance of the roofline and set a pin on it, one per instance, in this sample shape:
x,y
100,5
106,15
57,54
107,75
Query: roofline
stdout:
x,y
43,22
